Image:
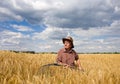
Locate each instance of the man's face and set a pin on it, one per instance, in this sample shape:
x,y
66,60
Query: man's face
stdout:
x,y
67,44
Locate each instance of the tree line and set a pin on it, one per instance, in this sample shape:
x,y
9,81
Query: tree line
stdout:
x,y
33,52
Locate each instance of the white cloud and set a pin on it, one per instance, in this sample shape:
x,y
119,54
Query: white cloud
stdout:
x,y
21,28
94,26
46,5
11,40
91,40
50,33
117,9
7,34
43,47
6,14
60,13
93,45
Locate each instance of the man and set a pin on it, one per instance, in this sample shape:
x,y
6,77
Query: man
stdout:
x,y
67,56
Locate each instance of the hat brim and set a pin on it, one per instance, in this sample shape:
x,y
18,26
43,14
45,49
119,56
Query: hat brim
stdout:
x,y
65,39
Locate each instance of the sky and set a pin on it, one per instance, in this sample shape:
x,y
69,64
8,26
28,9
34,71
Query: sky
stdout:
x,y
40,25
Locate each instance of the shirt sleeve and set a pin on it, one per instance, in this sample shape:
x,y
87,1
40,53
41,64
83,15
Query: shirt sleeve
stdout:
x,y
76,56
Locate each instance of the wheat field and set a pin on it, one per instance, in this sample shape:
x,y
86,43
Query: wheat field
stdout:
x,y
23,68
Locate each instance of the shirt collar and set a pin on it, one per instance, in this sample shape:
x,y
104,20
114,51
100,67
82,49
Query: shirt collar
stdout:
x,y
68,51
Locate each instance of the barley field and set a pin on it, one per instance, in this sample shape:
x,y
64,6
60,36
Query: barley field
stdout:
x,y
23,68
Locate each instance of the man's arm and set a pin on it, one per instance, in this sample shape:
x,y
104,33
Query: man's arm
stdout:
x,y
78,61
79,65
62,64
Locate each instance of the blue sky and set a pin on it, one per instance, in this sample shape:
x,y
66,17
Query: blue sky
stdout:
x,y
39,25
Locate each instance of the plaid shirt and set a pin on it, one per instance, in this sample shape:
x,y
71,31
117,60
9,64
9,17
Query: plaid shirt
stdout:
x,y
67,57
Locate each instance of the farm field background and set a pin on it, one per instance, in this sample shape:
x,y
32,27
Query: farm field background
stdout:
x,y
24,68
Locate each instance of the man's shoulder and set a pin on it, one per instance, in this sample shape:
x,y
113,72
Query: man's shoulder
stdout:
x,y
61,50
74,51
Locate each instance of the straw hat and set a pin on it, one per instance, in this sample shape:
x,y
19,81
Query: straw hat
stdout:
x,y
68,38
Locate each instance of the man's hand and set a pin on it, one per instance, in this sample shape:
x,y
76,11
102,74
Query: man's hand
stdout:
x,y
81,69
66,66
63,64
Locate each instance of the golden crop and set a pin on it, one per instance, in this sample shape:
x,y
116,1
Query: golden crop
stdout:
x,y
22,68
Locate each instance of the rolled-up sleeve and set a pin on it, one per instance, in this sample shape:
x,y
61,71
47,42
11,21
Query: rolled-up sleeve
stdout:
x,y
76,56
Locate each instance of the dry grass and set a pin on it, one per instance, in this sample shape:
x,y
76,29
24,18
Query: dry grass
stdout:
x,y
21,68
